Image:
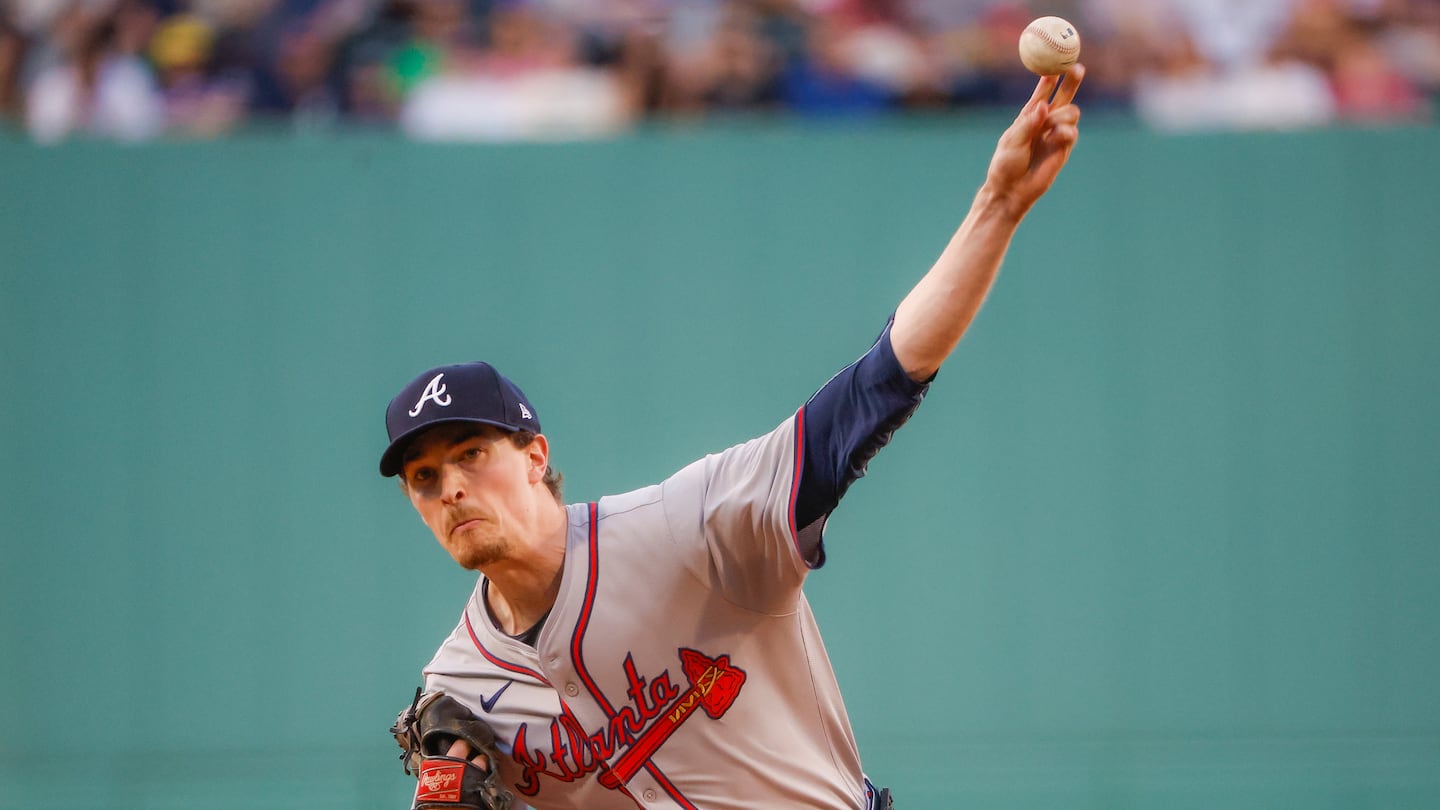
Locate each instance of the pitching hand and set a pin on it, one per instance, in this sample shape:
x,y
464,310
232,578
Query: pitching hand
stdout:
x,y
1034,149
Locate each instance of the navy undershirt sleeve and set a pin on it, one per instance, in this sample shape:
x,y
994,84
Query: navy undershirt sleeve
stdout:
x,y
846,423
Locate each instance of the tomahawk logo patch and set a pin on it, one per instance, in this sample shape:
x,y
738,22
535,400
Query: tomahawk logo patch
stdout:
x,y
635,732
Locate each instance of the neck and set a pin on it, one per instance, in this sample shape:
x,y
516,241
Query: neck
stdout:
x,y
524,585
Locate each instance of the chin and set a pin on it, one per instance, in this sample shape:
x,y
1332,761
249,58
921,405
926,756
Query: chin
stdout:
x,y
475,557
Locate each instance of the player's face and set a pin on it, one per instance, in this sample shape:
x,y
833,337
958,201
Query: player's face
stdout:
x,y
474,489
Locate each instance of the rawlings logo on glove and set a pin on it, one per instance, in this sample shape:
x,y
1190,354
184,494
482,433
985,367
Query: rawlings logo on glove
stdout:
x,y
440,782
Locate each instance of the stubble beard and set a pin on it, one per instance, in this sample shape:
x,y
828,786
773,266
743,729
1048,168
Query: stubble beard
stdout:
x,y
475,550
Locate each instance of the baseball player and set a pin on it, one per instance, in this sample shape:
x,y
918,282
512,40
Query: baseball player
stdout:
x,y
654,648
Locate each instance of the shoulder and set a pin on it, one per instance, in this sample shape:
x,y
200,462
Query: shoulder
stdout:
x,y
611,505
759,464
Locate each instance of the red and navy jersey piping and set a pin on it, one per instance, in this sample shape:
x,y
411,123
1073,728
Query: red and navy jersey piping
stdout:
x,y
576,642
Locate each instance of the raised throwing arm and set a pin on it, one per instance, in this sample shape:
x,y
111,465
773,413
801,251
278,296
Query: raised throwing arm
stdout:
x,y
935,314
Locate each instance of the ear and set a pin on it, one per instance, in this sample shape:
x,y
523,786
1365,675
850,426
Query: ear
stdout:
x,y
538,456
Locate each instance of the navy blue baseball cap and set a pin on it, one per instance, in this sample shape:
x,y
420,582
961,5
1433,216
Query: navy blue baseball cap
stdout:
x,y
469,392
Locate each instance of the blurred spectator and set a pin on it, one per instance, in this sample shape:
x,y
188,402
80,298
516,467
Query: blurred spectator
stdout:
x,y
297,76
820,81
734,67
1233,35
1234,87
198,102
519,69
983,58
297,82
1193,95
525,82
1368,87
1410,40
883,46
12,56
92,80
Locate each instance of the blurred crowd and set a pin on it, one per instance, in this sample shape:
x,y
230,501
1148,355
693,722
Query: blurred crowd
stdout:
x,y
523,69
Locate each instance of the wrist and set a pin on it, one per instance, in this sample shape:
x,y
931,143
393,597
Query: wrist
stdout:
x,y
995,206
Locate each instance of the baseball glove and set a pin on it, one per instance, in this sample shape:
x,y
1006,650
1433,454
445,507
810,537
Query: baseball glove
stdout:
x,y
425,732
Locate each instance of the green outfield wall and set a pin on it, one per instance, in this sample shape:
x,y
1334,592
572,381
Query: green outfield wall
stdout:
x,y
1165,533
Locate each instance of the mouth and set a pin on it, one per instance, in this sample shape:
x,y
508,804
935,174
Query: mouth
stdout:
x,y
464,524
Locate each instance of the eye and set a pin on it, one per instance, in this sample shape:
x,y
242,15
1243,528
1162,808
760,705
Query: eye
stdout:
x,y
470,454
422,475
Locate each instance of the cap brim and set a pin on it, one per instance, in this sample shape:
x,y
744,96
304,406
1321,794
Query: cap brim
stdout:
x,y
392,461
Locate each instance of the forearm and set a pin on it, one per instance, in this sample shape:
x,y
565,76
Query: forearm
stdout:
x,y
1030,154
935,314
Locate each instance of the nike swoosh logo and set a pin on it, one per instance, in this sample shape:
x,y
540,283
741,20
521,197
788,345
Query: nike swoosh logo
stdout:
x,y
488,705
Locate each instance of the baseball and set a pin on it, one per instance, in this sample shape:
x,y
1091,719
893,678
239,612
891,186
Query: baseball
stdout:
x,y
1049,46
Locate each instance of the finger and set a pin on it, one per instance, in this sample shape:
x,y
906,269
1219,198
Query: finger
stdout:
x,y
1032,115
1043,89
1069,114
481,761
1062,127
1063,137
458,749
1069,83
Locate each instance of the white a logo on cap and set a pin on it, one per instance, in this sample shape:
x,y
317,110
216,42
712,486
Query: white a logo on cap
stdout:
x,y
525,412
435,392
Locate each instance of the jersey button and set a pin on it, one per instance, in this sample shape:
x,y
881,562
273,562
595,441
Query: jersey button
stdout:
x,y
571,689
650,795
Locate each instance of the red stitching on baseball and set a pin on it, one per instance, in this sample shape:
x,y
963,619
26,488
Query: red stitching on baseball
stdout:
x,y
1045,35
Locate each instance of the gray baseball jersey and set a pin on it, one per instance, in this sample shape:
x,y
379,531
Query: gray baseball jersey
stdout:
x,y
680,665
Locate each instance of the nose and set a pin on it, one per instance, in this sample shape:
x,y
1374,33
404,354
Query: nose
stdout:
x,y
452,484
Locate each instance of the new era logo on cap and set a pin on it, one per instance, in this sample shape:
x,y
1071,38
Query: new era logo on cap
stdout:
x,y
469,392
